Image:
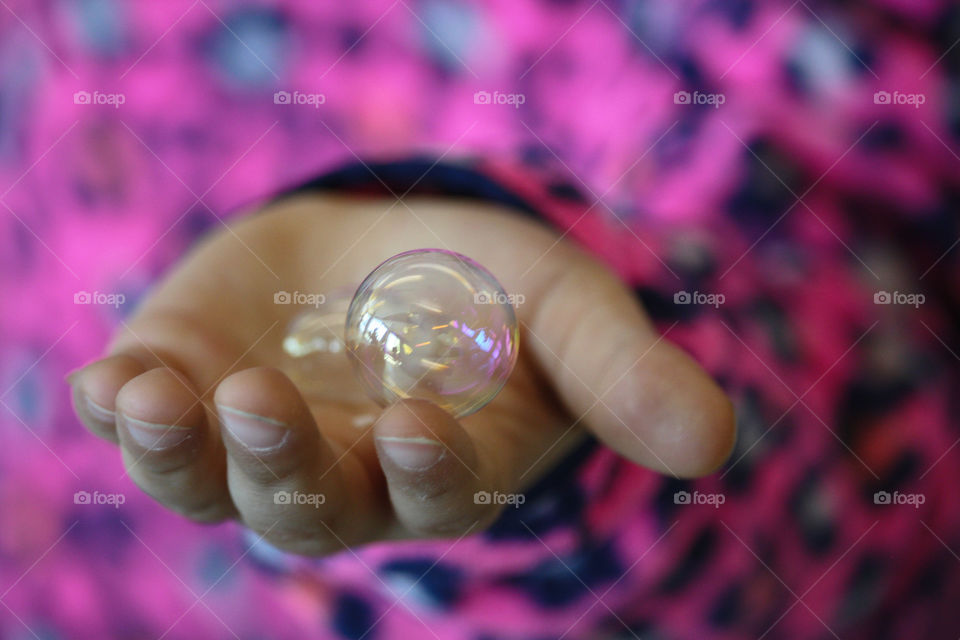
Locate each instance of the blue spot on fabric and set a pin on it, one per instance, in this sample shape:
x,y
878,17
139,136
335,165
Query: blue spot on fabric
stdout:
x,y
556,500
557,582
808,507
440,584
761,197
265,555
100,528
737,12
665,503
101,23
565,191
352,39
693,562
19,68
448,33
37,630
869,582
28,397
819,62
688,69
213,568
677,144
539,514
250,47
658,25
353,617
198,222
728,607
132,293
886,136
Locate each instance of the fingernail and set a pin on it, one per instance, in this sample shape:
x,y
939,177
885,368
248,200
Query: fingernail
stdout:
x,y
98,412
256,433
412,454
155,437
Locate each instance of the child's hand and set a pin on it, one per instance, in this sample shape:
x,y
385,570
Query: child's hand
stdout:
x,y
211,429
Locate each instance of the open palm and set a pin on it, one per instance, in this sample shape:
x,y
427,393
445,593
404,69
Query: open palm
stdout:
x,y
195,392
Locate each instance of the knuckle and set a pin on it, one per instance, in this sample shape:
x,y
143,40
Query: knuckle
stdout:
x,y
202,507
613,362
158,468
453,522
311,526
271,469
210,511
104,433
178,340
304,541
567,311
160,465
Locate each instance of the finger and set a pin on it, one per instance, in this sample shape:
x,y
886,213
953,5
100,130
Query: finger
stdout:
x,y
437,474
187,342
288,482
168,446
639,393
94,389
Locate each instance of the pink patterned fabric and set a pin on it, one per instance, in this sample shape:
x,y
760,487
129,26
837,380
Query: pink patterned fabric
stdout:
x,y
127,130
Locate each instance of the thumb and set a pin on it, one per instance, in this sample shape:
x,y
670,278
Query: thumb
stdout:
x,y
637,392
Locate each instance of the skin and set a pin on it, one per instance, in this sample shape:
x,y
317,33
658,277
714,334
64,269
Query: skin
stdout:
x,y
195,373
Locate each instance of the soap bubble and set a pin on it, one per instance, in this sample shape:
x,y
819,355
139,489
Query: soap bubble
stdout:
x,y
315,356
434,325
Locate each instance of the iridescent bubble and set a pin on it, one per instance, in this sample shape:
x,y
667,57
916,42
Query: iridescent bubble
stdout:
x,y
434,325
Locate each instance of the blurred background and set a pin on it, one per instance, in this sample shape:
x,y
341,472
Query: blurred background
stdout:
x,y
799,158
